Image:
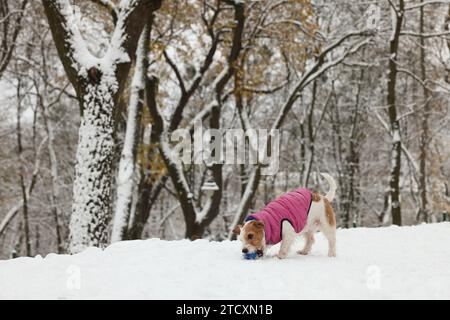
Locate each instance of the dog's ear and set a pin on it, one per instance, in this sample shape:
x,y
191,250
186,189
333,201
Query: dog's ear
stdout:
x,y
259,224
237,229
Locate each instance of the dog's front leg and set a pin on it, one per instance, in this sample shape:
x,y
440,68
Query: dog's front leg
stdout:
x,y
287,238
266,249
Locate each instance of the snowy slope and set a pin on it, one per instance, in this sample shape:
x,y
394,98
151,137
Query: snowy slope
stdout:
x,y
393,262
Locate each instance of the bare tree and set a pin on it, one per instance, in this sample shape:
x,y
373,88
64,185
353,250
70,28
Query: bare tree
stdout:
x,y
10,25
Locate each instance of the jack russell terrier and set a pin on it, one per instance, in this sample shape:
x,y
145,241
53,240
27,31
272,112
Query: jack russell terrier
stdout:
x,y
300,212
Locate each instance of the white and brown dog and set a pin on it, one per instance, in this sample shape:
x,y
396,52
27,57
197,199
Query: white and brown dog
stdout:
x,y
297,213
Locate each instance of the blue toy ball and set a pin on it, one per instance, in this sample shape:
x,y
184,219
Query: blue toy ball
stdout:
x,y
250,256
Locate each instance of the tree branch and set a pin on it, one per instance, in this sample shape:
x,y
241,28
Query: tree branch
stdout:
x,y
73,50
110,6
8,50
318,69
426,3
176,71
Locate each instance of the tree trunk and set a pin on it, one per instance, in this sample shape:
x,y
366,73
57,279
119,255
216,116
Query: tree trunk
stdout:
x,y
338,154
353,159
396,148
98,84
126,180
424,138
149,193
91,208
196,221
310,127
26,225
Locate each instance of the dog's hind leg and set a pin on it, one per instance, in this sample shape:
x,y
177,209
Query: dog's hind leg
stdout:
x,y
329,228
330,234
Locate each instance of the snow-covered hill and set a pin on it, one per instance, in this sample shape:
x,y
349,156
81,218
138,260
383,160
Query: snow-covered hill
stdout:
x,y
393,262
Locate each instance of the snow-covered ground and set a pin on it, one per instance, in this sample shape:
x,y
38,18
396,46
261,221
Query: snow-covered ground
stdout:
x,y
383,263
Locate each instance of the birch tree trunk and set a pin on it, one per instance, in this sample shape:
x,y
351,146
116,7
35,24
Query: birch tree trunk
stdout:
x,y
127,180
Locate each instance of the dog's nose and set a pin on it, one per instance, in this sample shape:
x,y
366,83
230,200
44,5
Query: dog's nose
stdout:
x,y
245,250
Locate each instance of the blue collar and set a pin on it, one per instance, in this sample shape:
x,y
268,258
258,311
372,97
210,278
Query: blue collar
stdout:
x,y
249,218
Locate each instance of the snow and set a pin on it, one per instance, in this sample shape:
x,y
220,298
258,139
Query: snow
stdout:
x,y
396,136
394,18
83,59
91,189
378,263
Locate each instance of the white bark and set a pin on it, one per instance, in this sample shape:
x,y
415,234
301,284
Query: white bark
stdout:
x,y
126,180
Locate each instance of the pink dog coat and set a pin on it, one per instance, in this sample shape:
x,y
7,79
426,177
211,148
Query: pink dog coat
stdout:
x,y
293,207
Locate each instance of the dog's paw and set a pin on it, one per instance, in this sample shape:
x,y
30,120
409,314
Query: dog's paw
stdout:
x,y
281,255
332,254
303,252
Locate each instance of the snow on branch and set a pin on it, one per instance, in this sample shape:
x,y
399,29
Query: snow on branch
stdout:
x,y
187,93
176,165
168,215
73,49
404,149
201,215
68,38
9,216
161,129
177,72
394,8
335,62
426,3
299,25
317,70
107,3
425,35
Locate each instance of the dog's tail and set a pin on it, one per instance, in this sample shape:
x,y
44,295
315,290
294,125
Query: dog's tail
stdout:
x,y
332,192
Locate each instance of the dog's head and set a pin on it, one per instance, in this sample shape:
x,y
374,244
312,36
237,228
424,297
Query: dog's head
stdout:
x,y
251,234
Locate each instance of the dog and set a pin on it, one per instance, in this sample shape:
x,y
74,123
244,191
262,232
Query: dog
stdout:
x,y
297,213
